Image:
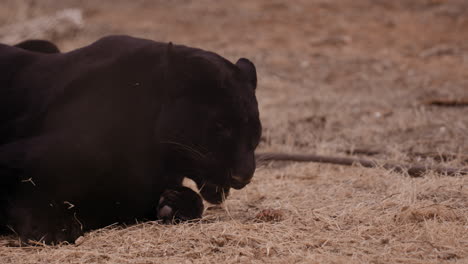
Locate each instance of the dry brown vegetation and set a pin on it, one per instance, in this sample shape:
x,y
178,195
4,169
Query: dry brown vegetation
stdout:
x,y
334,76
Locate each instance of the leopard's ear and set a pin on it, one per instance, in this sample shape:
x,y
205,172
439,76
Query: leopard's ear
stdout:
x,y
248,69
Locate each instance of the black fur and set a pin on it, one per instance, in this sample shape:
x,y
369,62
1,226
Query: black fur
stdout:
x,y
97,135
38,45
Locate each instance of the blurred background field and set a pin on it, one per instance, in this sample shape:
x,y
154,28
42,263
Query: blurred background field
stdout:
x,y
336,77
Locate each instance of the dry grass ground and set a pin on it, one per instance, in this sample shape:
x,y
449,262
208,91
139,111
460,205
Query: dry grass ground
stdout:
x,y
333,76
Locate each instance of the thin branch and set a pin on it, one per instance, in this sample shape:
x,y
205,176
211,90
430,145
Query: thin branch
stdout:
x,y
442,157
448,102
414,170
367,152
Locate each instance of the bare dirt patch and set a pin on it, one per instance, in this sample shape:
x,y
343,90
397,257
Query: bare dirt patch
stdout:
x,y
334,76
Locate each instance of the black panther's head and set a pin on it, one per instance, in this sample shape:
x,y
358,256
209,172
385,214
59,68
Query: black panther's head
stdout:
x,y
210,126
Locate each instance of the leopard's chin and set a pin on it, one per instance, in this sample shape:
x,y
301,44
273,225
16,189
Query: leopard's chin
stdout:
x,y
213,193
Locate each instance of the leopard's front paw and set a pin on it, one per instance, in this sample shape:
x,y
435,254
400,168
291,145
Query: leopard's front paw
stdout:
x,y
179,204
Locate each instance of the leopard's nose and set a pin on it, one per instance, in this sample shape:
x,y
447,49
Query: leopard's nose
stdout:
x,y
239,182
243,171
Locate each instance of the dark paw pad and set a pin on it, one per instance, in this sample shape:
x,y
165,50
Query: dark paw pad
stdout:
x,y
179,204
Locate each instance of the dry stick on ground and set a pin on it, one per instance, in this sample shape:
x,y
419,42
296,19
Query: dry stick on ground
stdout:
x,y
434,155
367,152
440,156
448,103
412,170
